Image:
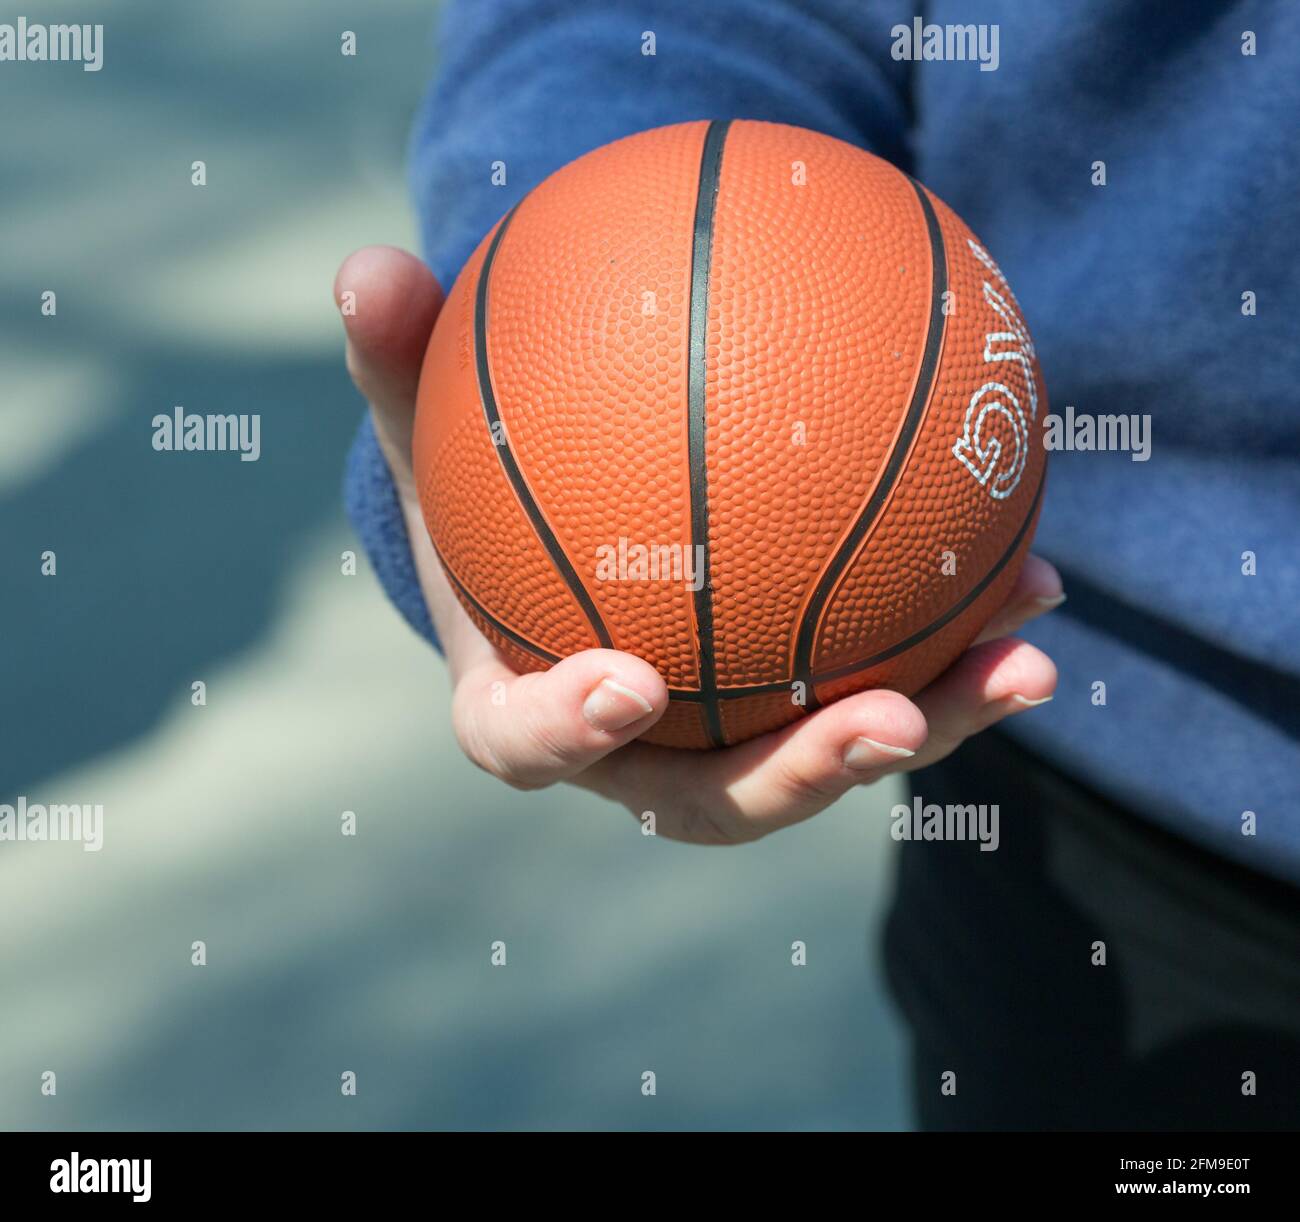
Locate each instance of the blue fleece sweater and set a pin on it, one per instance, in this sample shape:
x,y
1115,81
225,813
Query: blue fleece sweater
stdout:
x,y
1183,571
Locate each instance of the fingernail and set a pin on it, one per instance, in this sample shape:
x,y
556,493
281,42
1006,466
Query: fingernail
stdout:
x,y
1026,703
612,706
1050,603
867,753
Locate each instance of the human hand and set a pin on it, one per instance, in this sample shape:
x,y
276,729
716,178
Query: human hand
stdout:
x,y
577,721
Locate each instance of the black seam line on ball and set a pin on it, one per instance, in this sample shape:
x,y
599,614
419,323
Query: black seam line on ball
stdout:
x,y
692,696
697,417
510,634
811,622
955,610
843,672
504,452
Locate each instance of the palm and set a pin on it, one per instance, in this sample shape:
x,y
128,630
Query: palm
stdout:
x,y
578,721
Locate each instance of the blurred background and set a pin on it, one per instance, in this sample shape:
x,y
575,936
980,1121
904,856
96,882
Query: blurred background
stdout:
x,y
325,953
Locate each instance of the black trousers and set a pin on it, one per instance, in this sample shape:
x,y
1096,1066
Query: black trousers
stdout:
x,y
990,957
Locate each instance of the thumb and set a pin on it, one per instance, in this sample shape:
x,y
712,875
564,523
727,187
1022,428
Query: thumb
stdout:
x,y
389,302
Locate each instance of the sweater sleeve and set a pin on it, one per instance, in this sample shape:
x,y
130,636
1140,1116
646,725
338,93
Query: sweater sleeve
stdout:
x,y
528,85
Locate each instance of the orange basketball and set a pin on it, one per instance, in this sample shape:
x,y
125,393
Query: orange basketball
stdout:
x,y
743,400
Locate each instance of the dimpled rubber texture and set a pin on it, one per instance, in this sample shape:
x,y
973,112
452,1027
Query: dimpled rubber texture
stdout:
x,y
936,510
487,545
847,545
